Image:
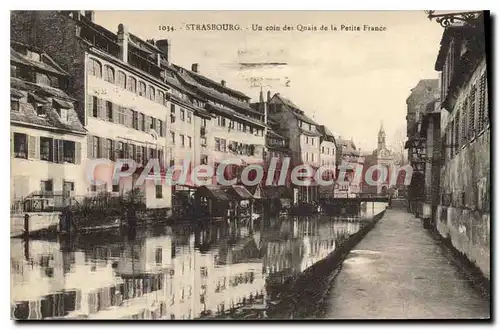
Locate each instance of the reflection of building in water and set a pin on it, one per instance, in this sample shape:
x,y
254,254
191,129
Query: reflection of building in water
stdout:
x,y
192,274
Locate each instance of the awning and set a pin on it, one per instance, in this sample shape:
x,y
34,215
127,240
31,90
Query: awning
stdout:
x,y
213,192
239,192
62,104
16,93
37,98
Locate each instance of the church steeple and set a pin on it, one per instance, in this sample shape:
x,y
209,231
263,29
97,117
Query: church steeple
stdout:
x,y
381,137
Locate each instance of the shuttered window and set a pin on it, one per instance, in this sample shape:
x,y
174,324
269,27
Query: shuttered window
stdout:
x,y
482,116
463,123
132,84
472,112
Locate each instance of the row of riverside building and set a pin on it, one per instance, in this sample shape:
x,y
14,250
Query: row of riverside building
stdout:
x,y
81,92
448,130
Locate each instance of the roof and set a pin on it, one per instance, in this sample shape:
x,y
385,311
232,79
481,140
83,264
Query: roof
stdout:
x,y
295,110
276,192
239,192
234,114
448,33
309,133
350,147
213,192
273,134
196,75
52,67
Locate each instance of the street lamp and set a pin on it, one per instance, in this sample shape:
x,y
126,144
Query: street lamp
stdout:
x,y
449,18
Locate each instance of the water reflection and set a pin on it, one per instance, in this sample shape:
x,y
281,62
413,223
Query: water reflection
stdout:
x,y
180,272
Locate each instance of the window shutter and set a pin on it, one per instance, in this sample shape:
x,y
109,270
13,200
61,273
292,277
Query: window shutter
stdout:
x,y
90,104
102,146
138,157
115,112
90,146
60,150
12,144
78,153
32,147
115,149
148,123
125,150
101,108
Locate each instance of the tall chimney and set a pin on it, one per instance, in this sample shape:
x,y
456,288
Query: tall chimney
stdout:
x,y
194,67
164,46
268,96
264,104
223,83
123,42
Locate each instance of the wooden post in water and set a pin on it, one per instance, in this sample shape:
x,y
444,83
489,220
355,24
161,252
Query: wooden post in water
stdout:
x,y
26,225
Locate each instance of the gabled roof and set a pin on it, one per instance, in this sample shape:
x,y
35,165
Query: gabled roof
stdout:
x,y
295,110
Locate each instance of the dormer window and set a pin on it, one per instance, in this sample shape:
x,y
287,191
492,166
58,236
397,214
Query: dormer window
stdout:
x,y
61,108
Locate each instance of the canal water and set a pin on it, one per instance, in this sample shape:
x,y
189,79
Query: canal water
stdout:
x,y
226,270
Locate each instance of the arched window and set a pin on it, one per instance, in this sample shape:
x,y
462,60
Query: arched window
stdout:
x,y
142,88
151,93
132,84
109,74
160,97
122,79
95,68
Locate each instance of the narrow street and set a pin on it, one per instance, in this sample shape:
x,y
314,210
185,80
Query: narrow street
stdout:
x,y
399,271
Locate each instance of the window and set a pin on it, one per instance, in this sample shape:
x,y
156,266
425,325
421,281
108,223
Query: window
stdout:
x,y
109,149
132,84
183,115
109,110
42,79
40,109
116,188
160,128
151,93
69,151
142,122
482,119
172,137
223,145
135,120
95,68
204,160
20,145
47,186
109,74
46,148
323,149
463,122
122,80
221,121
95,147
63,114
152,124
159,191
14,71
472,111
158,255
189,142
189,117
95,108
14,104
120,150
160,97
217,144
142,88
172,113
182,140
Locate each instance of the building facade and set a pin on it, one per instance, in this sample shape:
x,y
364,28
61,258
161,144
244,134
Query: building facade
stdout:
x,y
48,142
304,142
421,95
463,214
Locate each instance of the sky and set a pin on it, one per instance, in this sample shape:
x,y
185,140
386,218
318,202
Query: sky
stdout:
x,y
350,81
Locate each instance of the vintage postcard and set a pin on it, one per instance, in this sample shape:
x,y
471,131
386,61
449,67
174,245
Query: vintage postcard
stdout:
x,y
257,165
